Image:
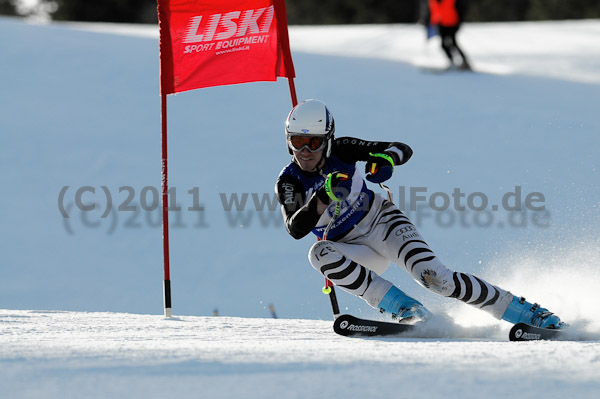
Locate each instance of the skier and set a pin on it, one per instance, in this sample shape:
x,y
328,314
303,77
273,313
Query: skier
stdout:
x,y
447,16
369,231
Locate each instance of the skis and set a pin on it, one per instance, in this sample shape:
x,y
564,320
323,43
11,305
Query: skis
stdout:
x,y
348,325
441,70
351,326
525,332
435,70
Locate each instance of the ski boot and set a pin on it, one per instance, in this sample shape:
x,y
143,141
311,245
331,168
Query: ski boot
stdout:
x,y
402,307
521,311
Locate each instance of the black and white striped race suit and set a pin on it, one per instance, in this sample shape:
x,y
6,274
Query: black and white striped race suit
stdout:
x,y
371,232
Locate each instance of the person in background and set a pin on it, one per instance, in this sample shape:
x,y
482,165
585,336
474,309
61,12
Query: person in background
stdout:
x,y
447,15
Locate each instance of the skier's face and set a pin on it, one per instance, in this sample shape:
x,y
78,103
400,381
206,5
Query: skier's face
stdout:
x,y
307,160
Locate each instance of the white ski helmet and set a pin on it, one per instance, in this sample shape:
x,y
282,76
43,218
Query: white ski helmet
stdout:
x,y
310,118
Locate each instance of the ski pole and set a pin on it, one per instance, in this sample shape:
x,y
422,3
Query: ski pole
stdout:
x,y
328,289
389,192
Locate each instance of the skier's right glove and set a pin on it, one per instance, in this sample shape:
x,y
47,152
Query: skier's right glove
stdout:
x,y
379,167
338,185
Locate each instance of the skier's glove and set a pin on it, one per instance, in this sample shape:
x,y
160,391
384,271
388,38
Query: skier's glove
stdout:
x,y
379,168
338,185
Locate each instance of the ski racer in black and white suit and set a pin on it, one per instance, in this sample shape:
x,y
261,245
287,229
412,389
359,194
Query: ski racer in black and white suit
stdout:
x,y
369,232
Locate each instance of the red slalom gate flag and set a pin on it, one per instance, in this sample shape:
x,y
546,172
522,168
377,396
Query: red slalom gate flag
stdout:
x,y
207,43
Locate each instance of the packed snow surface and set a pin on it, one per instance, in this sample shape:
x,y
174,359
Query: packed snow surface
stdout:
x,y
54,354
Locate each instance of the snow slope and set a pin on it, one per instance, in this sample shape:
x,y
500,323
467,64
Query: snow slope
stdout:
x,y
100,355
80,108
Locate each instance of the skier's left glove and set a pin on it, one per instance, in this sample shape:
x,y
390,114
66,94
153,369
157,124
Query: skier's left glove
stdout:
x,y
379,167
338,185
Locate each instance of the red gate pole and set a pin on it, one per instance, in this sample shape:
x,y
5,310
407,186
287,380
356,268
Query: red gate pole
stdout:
x,y
165,209
293,92
284,41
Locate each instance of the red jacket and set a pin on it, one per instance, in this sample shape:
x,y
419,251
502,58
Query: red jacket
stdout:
x,y
443,13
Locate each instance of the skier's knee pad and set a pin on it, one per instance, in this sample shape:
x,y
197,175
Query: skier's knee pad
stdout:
x,y
438,279
323,252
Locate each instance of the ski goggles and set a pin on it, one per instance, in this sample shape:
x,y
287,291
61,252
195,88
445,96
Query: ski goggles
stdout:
x,y
312,143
